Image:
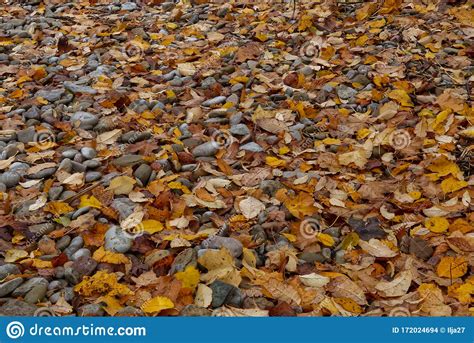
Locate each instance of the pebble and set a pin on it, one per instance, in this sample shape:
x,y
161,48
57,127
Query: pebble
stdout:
x,y
42,174
127,160
27,135
214,101
10,179
51,95
86,120
76,243
83,266
187,257
76,88
344,92
240,130
80,253
8,269
8,287
195,311
206,150
116,240
36,294
67,293
14,307
225,294
124,206
29,285
216,242
252,147
88,153
143,173
92,176
129,6
63,242
91,310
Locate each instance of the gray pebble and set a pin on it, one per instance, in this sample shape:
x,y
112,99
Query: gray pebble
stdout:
x,y
88,153
240,130
217,242
92,176
86,120
36,294
252,147
8,269
214,101
8,287
206,150
80,253
344,92
117,240
10,179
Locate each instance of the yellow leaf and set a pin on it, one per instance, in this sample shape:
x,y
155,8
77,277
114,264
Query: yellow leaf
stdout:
x,y
452,185
377,23
261,37
331,141
437,224
290,237
443,167
157,304
305,22
102,255
326,239
301,206
463,292
362,40
366,10
349,305
216,259
274,162
13,255
150,225
401,97
452,267
189,277
283,150
40,264
122,185
180,186
112,305
57,208
101,283
91,201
